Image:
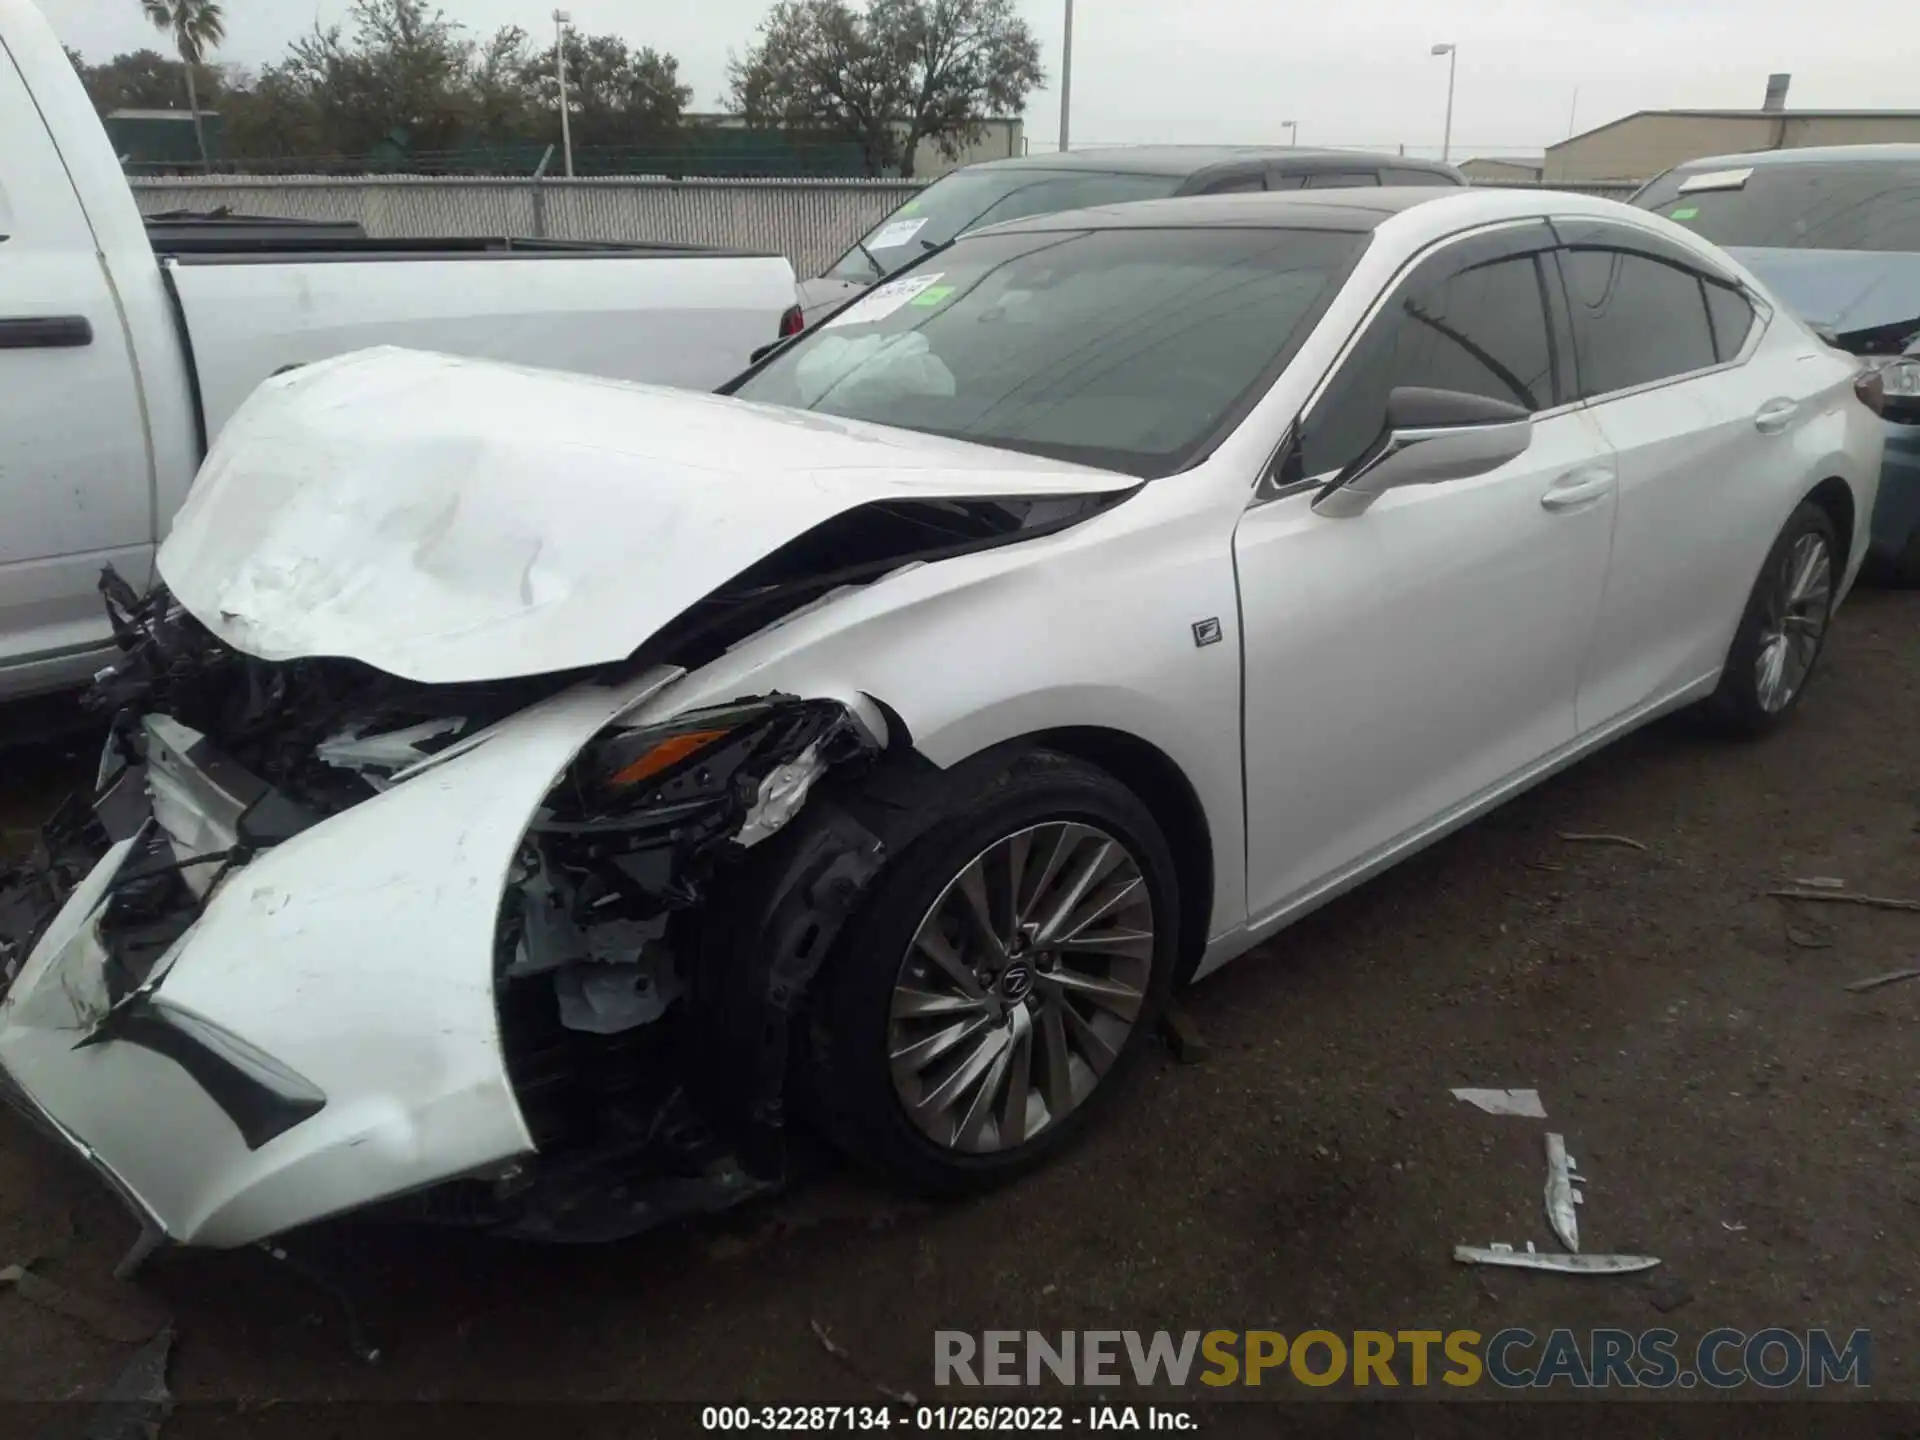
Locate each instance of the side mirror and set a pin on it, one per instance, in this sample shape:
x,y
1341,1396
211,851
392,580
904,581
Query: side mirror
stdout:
x,y
1431,436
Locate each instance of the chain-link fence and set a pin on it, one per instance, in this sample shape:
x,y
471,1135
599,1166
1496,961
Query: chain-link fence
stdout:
x,y
809,221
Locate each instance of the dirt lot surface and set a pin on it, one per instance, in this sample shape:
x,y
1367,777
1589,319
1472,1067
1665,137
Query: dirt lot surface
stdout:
x,y
1738,1112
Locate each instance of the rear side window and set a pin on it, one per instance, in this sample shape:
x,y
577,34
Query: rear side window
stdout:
x,y
1339,179
1732,318
1635,320
1416,177
1234,184
1482,331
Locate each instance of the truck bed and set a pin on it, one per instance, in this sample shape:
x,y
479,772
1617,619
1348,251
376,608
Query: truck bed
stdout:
x,y
667,314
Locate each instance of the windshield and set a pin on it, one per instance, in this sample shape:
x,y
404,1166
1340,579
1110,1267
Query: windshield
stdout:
x,y
1126,349
969,199
1796,207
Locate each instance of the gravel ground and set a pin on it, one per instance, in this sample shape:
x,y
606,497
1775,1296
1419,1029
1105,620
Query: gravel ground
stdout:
x,y
1737,1111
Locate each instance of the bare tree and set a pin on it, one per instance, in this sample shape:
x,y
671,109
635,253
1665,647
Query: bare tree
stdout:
x,y
197,27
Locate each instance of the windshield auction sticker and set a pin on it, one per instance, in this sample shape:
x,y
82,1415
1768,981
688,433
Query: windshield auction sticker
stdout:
x,y
885,299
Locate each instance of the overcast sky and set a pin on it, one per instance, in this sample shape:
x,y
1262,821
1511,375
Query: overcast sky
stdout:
x,y
1351,72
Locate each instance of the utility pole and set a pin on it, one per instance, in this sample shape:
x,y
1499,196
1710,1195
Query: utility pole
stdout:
x,y
560,22
1452,52
1066,81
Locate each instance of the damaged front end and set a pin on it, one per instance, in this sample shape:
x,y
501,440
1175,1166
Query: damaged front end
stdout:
x,y
324,939
623,986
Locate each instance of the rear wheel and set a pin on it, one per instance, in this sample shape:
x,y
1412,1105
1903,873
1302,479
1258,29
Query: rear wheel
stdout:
x,y
1784,628
1003,981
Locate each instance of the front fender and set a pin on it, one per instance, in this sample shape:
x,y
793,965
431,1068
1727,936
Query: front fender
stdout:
x,y
1091,628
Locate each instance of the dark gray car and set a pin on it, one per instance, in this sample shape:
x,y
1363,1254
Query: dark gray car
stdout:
x,y
997,190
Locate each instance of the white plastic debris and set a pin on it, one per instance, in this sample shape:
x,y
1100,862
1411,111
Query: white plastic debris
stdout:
x,y
1530,1259
781,795
395,750
1561,1197
1524,1103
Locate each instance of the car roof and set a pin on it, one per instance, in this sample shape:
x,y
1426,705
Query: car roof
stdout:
x,y
1356,211
1192,159
1807,155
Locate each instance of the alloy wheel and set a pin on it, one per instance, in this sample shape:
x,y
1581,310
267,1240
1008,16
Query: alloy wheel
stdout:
x,y
1021,986
1797,611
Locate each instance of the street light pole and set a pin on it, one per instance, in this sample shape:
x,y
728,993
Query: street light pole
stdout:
x,y
1452,52
1292,127
560,20
1066,81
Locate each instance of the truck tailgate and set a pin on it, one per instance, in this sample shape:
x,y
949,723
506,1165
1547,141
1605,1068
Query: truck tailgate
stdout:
x,y
668,319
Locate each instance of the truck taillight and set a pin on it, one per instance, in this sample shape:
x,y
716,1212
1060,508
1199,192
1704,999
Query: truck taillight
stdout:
x,y
793,322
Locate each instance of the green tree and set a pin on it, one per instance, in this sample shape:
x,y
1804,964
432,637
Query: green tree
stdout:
x,y
198,27
144,80
616,95
506,102
398,79
898,73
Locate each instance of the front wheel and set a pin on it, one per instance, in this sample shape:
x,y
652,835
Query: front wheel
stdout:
x,y
1002,982
1784,627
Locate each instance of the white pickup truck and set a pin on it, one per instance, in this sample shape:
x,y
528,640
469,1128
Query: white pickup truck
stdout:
x,y
122,353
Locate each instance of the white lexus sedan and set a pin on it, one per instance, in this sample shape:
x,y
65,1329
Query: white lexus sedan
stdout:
x,y
536,802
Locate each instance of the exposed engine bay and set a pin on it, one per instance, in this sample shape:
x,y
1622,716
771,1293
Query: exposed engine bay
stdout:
x,y
613,984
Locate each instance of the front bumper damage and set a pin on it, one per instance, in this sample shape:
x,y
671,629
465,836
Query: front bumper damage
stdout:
x,y
490,990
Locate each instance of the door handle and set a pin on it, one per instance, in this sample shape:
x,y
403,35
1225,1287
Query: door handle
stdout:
x,y
45,332
1577,488
1774,416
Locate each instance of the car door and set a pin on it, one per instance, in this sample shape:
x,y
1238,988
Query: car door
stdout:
x,y
1408,661
1692,424
75,483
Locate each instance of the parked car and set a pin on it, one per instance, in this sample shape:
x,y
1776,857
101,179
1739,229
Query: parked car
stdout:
x,y
523,819
998,190
124,348
1835,231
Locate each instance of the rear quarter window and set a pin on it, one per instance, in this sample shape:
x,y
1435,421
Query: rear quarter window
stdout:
x,y
1416,177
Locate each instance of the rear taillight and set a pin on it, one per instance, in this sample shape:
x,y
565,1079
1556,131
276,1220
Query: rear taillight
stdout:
x,y
1872,390
793,322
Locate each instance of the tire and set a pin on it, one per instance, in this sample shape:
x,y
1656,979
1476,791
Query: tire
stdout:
x,y
1794,589
862,1075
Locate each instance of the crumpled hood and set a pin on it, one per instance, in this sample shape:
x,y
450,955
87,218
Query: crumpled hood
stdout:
x,y
449,520
1845,290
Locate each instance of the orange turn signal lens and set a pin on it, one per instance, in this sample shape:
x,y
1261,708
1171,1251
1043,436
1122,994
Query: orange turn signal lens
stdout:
x,y
669,751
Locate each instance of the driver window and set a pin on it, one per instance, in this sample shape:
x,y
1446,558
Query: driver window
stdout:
x,y
1482,330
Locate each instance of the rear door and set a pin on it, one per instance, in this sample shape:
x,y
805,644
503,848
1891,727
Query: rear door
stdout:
x,y
1661,353
76,488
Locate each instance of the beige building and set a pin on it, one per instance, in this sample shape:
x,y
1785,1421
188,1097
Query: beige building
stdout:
x,y
1502,170
997,140
1643,144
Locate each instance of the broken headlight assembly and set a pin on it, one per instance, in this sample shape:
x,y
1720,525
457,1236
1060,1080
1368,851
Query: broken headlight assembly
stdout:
x,y
612,992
